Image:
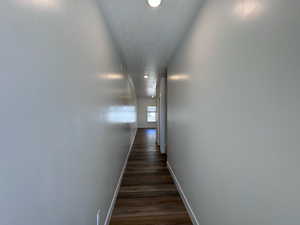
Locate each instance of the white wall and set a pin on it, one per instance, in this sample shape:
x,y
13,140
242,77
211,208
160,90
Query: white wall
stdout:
x,y
142,112
234,127
163,114
61,87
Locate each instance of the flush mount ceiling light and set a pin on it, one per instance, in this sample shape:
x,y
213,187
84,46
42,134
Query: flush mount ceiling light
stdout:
x,y
154,3
146,76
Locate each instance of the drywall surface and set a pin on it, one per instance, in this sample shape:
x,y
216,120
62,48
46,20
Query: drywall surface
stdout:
x,y
67,113
233,104
163,114
142,112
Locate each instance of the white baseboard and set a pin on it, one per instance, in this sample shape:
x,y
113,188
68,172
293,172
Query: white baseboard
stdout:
x,y
113,201
183,196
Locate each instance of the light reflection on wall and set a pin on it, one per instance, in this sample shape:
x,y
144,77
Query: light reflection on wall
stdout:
x,y
151,86
248,8
111,76
121,114
179,77
42,4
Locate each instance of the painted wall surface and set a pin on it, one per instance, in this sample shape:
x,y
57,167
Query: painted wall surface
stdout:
x,y
233,122
67,113
163,114
158,112
142,112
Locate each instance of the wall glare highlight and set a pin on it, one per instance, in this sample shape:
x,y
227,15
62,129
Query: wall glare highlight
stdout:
x,y
179,77
121,114
111,76
248,8
42,4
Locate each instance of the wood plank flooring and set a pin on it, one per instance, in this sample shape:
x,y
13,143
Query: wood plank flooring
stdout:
x,y
148,195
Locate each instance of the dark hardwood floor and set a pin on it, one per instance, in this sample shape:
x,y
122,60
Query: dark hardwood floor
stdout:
x,y
148,195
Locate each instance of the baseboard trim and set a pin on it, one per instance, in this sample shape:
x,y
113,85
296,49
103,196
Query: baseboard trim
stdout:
x,y
113,201
183,196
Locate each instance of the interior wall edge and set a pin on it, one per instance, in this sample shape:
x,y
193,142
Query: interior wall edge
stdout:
x,y
184,198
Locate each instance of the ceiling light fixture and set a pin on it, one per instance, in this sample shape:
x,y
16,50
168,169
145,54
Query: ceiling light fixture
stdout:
x,y
146,76
154,3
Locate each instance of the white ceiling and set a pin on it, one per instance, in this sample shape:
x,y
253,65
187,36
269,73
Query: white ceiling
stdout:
x,y
148,36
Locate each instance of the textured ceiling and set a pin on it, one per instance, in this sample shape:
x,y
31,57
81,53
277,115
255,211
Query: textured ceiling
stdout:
x,y
147,36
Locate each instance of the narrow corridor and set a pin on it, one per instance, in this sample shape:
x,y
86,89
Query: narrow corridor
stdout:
x,y
90,88
148,195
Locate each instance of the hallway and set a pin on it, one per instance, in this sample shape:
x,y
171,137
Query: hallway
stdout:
x,y
148,195
93,91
